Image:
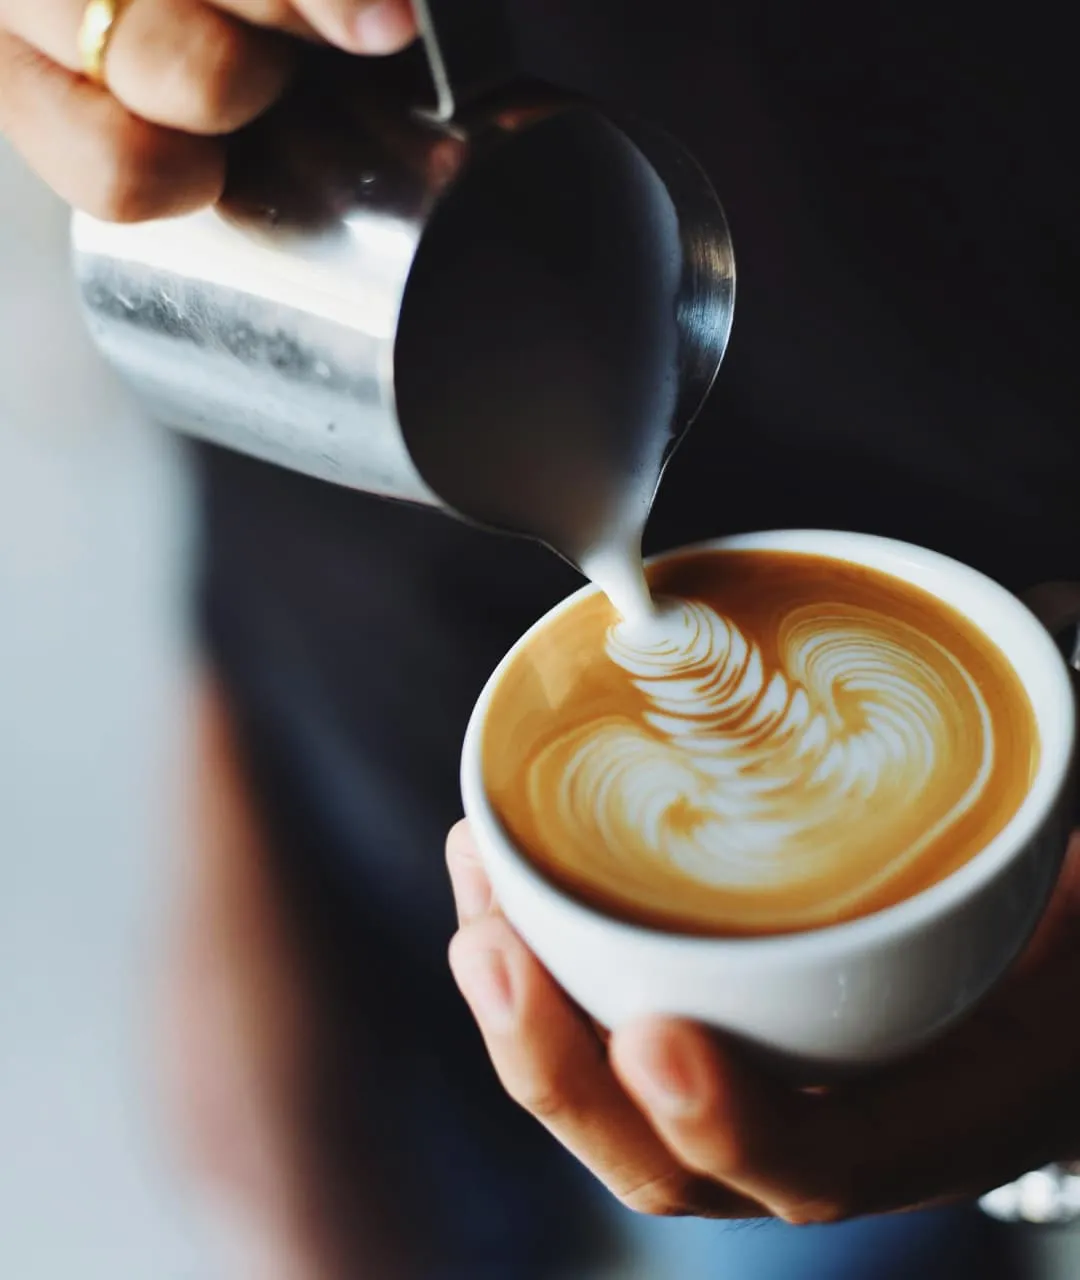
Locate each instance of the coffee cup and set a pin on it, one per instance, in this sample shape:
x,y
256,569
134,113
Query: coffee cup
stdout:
x,y
843,996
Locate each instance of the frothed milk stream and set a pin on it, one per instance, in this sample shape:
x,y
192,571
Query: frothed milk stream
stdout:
x,y
616,568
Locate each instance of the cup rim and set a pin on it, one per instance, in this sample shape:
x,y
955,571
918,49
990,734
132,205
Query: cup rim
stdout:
x,y
887,555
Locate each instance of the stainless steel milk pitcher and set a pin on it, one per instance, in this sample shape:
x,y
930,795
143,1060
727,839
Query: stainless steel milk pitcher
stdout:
x,y
505,303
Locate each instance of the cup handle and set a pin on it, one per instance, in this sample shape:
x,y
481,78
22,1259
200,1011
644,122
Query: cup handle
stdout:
x,y
1057,606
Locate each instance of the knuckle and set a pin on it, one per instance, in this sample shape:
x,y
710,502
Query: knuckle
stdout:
x,y
17,56
815,1212
546,1090
459,844
491,933
214,71
277,13
120,190
730,1151
655,1205
203,72
719,1150
140,171
666,1196
541,1096
21,67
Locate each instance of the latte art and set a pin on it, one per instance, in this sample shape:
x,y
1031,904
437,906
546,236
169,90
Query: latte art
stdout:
x,y
739,774
792,759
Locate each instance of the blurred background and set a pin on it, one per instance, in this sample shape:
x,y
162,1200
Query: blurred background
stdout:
x,y
95,535
92,538
92,660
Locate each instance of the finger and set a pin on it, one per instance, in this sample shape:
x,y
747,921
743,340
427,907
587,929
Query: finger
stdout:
x,y
178,63
472,888
191,67
551,1063
924,1133
363,26
722,1119
184,64
279,15
473,895
93,152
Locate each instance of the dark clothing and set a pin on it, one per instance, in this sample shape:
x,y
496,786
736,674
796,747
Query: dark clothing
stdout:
x,y
904,208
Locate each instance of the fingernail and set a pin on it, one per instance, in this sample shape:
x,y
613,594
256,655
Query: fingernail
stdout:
x,y
484,979
666,1072
385,27
472,889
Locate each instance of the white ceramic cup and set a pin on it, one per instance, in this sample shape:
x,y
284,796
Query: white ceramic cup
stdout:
x,y
849,995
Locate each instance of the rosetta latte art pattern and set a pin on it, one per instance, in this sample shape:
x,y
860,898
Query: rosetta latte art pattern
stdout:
x,y
799,786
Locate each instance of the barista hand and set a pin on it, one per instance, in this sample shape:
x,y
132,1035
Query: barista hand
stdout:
x,y
180,74
674,1121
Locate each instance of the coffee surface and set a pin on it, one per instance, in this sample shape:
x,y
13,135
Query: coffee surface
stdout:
x,y
795,741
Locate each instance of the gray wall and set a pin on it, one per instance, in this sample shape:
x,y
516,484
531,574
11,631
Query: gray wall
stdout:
x,y
91,551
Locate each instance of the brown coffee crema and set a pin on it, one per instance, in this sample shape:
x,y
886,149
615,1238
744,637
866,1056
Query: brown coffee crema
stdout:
x,y
797,741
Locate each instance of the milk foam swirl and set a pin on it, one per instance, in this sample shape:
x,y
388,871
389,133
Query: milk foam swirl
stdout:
x,y
826,766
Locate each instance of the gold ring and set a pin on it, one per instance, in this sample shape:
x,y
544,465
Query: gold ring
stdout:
x,y
95,35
